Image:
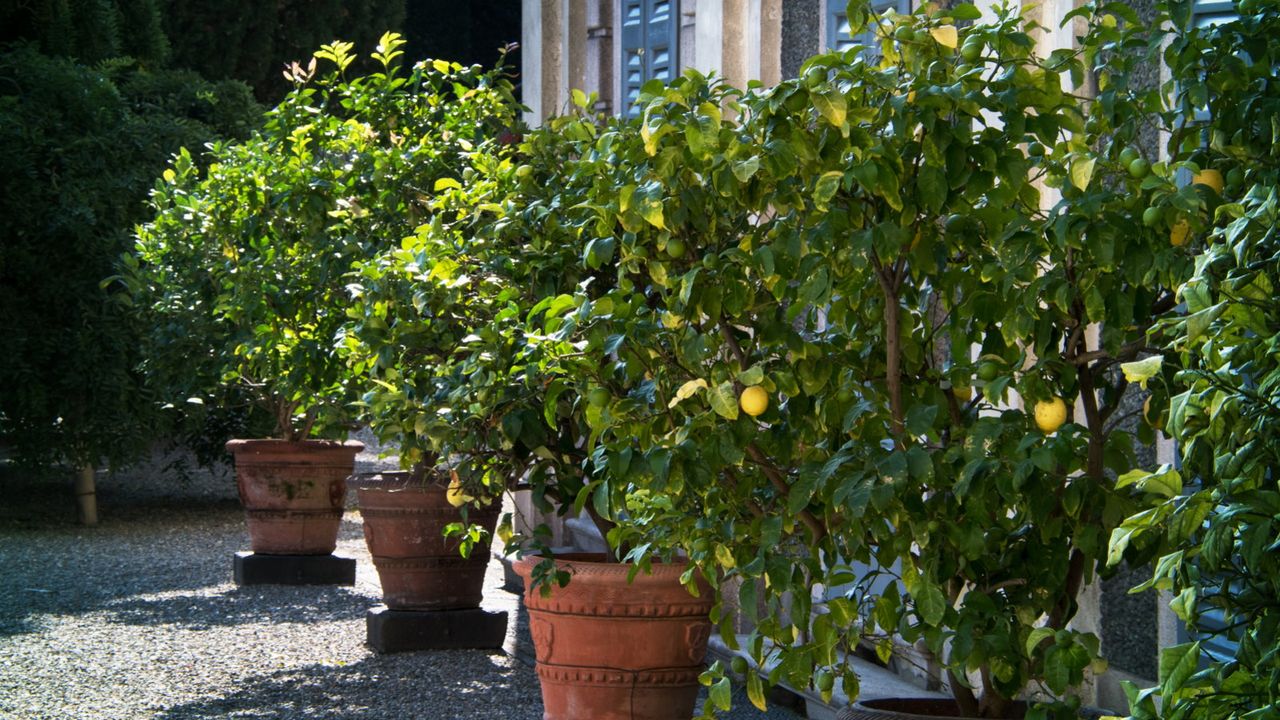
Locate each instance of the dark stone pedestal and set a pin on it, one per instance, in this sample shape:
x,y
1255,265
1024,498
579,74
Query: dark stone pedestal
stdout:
x,y
255,569
392,631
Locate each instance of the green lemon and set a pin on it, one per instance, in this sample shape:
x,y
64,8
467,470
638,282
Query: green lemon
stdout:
x,y
988,371
1139,168
971,50
598,397
1151,216
675,248
1128,155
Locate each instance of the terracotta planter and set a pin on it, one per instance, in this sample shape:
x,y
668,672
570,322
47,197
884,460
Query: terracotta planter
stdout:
x,y
612,650
293,492
420,569
913,709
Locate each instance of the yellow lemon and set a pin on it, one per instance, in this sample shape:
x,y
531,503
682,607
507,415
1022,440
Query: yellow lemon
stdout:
x,y
754,400
455,495
1210,178
963,393
1050,414
1179,233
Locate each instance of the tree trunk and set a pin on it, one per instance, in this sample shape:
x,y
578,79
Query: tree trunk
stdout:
x,y
86,497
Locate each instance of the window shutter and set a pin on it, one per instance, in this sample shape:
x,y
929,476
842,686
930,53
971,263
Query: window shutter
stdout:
x,y
649,46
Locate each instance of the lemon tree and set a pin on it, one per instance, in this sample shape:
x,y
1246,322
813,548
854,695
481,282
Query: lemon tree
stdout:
x,y
256,251
840,242
1214,542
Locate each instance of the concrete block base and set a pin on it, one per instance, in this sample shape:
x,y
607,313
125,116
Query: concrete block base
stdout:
x,y
256,569
390,631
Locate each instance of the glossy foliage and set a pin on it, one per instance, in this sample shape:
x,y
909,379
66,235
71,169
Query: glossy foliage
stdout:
x,y
1216,542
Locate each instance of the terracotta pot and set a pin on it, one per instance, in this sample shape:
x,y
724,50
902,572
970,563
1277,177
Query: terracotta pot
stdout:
x,y
293,492
612,650
913,709
420,569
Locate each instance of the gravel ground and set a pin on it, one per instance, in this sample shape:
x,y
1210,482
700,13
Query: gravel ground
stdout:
x,y
138,618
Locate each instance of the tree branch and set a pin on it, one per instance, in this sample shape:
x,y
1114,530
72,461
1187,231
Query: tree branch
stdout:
x,y
779,482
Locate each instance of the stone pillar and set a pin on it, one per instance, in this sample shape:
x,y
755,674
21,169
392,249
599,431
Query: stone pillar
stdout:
x,y
600,34
801,34
573,38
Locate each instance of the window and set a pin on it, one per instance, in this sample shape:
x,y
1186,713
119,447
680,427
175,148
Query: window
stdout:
x,y
649,48
838,37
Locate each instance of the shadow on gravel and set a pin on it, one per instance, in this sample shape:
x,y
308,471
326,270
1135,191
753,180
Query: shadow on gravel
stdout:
x,y
238,606
444,685
152,559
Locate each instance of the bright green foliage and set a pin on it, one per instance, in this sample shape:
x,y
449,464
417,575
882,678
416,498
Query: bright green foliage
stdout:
x,y
438,326
469,303
247,267
79,149
1218,542
844,244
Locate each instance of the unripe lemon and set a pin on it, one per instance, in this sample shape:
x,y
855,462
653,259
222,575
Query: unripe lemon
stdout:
x,y
1050,414
1209,178
1179,233
455,495
754,400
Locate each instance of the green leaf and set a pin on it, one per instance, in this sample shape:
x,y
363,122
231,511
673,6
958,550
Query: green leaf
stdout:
x,y
755,691
932,183
832,106
724,400
920,419
686,391
1141,371
1036,637
1057,674
720,694
651,211
447,183
724,556
744,169
1082,171
930,602
1177,663
753,375
826,187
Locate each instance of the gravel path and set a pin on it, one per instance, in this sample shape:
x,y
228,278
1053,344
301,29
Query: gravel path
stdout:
x,y
138,618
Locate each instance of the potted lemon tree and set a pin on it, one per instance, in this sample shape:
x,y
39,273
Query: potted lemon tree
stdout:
x,y
856,338
414,303
255,252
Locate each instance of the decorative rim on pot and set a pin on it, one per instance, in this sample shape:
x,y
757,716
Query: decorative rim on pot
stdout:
x,y
395,480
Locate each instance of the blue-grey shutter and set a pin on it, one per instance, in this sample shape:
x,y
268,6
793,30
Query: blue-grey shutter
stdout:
x,y
838,37
650,46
